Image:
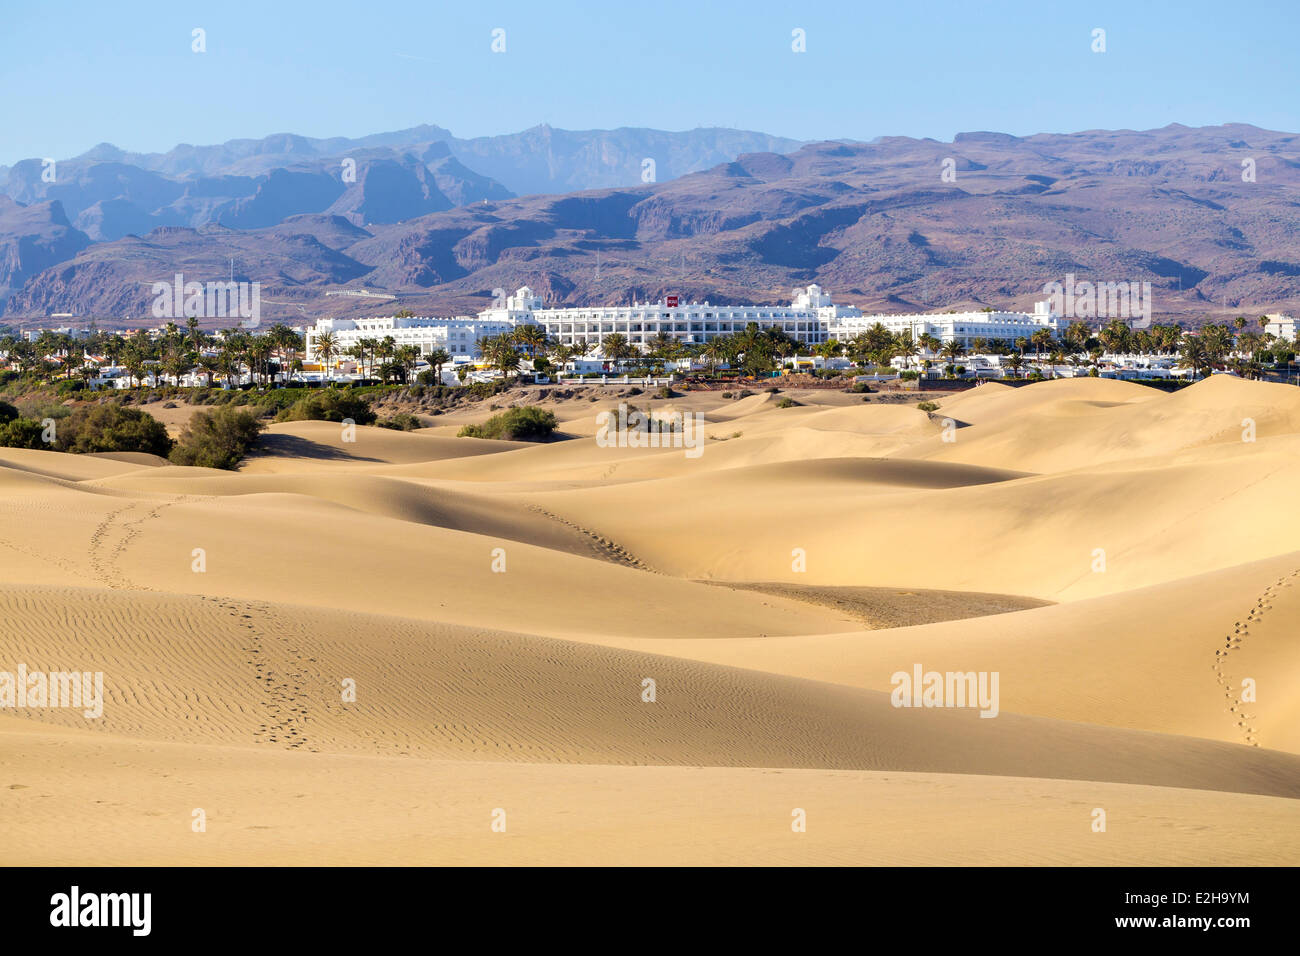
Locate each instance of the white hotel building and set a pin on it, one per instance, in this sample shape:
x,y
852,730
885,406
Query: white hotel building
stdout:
x,y
811,318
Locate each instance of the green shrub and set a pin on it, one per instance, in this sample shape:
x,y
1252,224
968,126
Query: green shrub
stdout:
x,y
22,433
528,423
665,392
858,388
927,406
787,402
217,439
7,413
726,395
104,428
402,421
328,405
909,375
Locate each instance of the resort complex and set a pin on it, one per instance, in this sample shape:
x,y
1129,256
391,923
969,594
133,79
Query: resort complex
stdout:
x,y
810,319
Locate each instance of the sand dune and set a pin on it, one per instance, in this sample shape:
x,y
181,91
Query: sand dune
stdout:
x,y
303,809
1123,558
293,445
1077,423
225,671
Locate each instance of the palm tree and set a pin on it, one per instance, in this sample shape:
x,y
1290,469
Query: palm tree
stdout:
x,y
952,351
1217,340
662,346
357,352
406,356
134,362
499,350
1114,336
717,351
1042,338
177,362
369,348
1077,334
616,347
531,337
260,348
827,350
327,348
210,366
1194,355
1016,362
437,358
287,342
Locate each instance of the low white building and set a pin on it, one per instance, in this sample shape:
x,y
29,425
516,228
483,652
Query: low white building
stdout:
x,y
964,327
458,336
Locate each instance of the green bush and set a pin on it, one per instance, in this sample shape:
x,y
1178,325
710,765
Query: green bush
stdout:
x,y
927,406
7,413
402,421
22,433
909,375
858,388
528,423
787,402
328,405
104,428
217,439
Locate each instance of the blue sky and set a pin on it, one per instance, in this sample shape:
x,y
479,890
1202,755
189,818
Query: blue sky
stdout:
x,y
79,73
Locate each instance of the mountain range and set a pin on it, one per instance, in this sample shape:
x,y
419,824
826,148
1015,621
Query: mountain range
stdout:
x,y
1209,216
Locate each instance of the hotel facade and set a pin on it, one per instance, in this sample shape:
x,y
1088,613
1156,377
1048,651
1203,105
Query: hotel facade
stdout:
x,y
811,318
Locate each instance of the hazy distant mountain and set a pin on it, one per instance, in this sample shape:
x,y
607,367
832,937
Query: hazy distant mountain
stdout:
x,y
548,160
245,183
113,280
33,238
877,223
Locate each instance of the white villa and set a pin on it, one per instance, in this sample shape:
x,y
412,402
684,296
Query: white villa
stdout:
x,y
810,318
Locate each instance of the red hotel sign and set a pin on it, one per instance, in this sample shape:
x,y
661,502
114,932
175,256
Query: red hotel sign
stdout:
x,y
672,301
